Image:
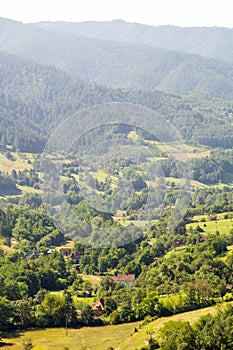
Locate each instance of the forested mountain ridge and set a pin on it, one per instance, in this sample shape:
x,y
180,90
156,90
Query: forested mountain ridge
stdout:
x,y
118,64
34,99
210,42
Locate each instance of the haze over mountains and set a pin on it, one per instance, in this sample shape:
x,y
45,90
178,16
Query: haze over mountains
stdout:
x,y
35,98
52,74
120,54
210,42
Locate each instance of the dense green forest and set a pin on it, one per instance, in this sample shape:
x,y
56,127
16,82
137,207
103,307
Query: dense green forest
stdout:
x,y
34,99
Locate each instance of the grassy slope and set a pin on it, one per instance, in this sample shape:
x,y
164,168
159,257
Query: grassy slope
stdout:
x,y
91,337
121,337
223,226
133,342
21,162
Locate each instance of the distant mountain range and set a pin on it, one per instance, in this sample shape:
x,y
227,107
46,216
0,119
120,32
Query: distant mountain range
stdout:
x,y
210,42
35,98
128,55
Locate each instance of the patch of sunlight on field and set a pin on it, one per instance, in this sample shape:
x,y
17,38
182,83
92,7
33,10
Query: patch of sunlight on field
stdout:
x,y
93,338
7,165
28,189
138,223
208,217
68,244
179,181
93,279
223,226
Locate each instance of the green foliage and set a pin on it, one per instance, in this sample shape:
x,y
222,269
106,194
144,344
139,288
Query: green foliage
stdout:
x,y
177,335
210,332
209,170
6,313
36,229
8,186
27,344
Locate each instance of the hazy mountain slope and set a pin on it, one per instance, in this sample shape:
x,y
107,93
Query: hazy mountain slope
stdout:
x,y
35,98
118,64
211,42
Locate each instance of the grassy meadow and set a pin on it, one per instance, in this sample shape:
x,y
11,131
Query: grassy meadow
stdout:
x,y
223,226
130,336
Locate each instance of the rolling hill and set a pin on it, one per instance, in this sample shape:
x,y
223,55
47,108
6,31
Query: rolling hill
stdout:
x,y
209,42
35,98
118,64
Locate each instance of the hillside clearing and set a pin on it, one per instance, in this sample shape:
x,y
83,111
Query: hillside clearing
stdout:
x,y
222,226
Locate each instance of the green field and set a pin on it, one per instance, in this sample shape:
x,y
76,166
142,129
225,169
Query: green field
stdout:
x,y
138,223
182,152
205,217
94,280
120,337
21,162
224,226
177,181
28,189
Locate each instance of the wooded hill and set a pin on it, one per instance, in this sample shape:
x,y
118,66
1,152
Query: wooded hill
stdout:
x,y
118,64
34,99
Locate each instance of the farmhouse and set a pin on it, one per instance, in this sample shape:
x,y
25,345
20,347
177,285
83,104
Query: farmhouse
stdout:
x,y
126,279
229,287
66,252
98,308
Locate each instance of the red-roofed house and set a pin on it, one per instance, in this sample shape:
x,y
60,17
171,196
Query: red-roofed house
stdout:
x,y
126,279
98,308
65,252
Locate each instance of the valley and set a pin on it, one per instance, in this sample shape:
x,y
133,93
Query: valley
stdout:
x,y
116,178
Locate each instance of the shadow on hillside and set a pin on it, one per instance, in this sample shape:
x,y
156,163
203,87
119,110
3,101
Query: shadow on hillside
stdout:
x,y
7,336
11,335
2,343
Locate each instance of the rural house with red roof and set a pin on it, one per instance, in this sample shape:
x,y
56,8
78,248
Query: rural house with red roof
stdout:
x,y
126,279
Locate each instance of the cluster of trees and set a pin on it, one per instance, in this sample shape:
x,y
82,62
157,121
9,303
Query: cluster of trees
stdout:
x,y
213,169
34,229
197,262
24,282
211,201
31,228
28,296
8,185
209,170
209,332
26,178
